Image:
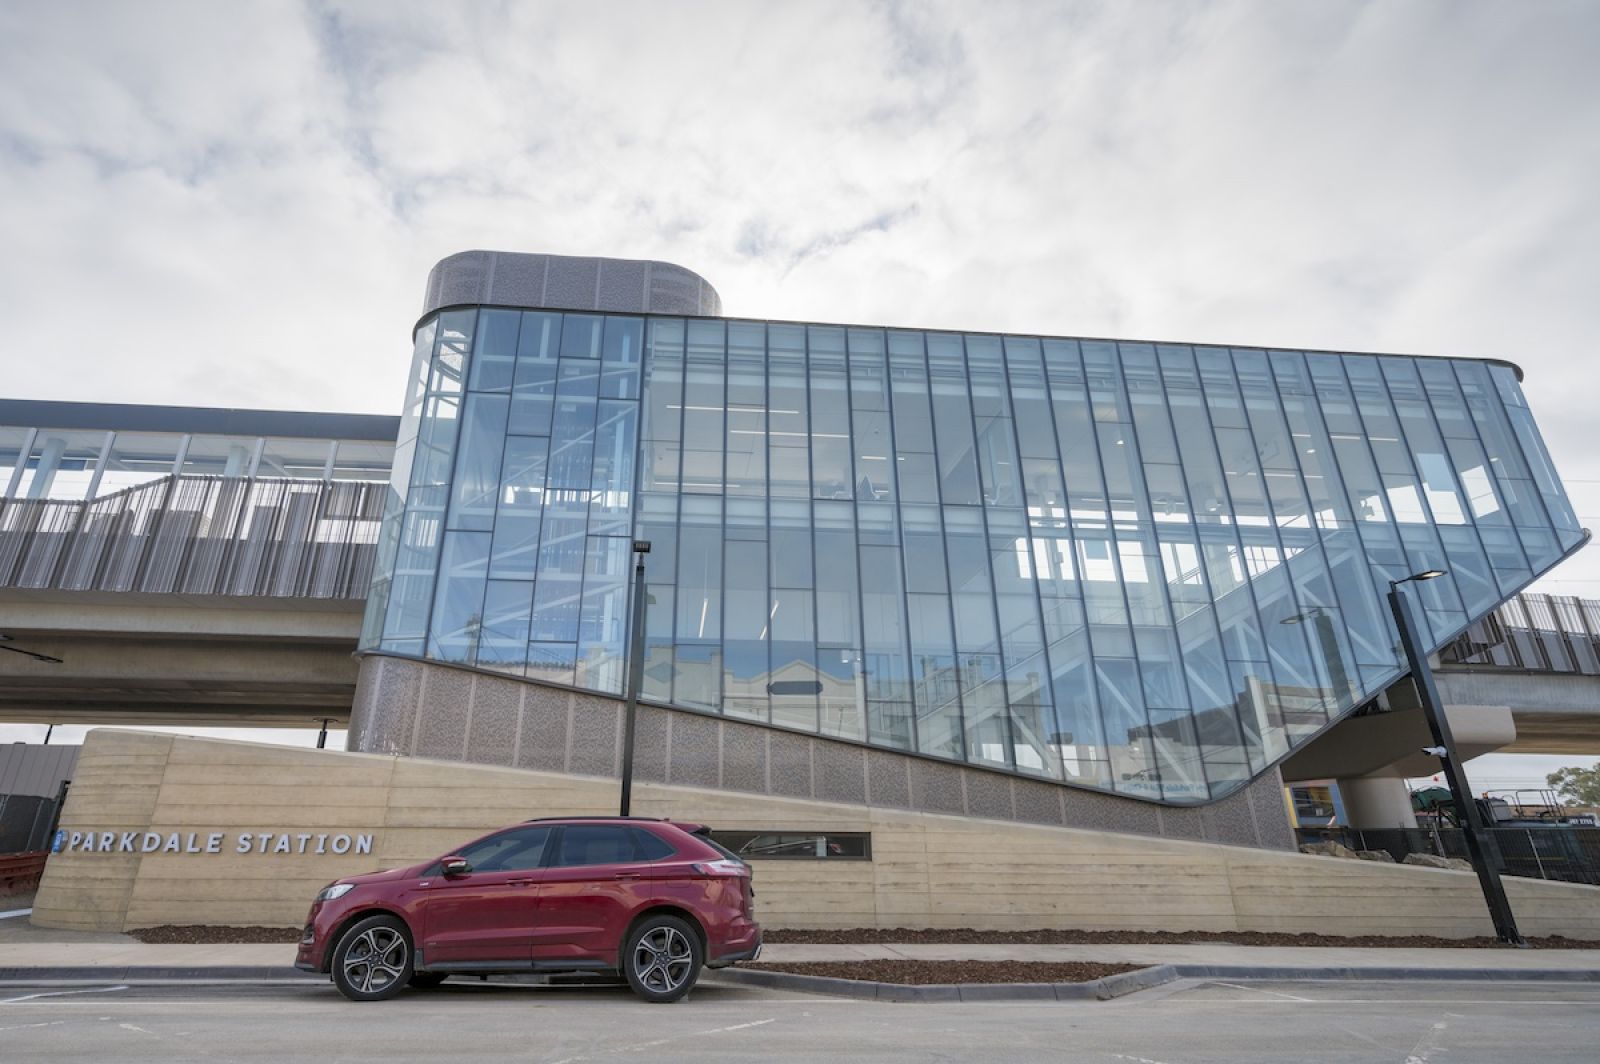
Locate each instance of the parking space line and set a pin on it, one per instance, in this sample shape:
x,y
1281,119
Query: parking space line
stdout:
x,y
60,993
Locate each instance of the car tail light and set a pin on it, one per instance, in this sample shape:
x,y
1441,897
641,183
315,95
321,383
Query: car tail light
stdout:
x,y
722,868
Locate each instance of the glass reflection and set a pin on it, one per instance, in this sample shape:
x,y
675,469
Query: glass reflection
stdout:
x,y
1148,569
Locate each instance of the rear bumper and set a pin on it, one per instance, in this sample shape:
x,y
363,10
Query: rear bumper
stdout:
x,y
735,952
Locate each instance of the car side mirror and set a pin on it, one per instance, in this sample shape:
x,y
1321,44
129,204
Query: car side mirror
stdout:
x,y
454,866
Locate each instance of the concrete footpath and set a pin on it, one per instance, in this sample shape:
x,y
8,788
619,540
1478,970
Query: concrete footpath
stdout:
x,y
27,952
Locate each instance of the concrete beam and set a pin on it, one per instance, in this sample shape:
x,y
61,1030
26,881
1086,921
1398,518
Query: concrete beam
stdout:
x,y
129,679
80,613
1390,744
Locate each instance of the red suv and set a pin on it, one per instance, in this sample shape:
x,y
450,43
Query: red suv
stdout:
x,y
649,898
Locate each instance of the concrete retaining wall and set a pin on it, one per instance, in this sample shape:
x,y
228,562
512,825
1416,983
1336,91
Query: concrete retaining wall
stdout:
x,y
928,870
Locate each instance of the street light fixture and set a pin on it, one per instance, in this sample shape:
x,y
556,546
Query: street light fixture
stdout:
x,y
641,547
1444,744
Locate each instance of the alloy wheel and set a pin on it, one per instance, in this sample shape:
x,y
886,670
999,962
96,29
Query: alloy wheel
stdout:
x,y
375,960
663,959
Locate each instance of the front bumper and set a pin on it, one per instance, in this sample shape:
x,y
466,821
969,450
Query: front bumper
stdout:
x,y
312,953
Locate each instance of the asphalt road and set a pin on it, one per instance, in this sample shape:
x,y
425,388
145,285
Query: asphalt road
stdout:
x,y
1186,1023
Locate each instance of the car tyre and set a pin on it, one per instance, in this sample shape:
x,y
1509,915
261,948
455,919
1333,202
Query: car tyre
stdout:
x,y
372,961
662,959
427,980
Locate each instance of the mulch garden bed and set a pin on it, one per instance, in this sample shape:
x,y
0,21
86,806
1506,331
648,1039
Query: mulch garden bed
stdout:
x,y
927,973
953,936
194,934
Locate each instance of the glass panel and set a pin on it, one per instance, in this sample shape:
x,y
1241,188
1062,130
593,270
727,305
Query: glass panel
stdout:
x,y
494,356
616,442
556,593
533,388
354,460
477,477
63,463
604,618
503,642
457,624
952,420
11,443
136,458
787,414
227,456
621,355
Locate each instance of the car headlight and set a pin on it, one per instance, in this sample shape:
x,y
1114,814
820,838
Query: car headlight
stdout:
x,y
335,890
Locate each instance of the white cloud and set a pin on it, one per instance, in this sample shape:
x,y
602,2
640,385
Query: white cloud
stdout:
x,y
238,204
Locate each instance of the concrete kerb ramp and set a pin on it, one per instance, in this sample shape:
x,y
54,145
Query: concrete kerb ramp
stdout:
x,y
248,832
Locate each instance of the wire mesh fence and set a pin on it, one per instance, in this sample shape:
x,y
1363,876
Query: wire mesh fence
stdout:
x,y
1567,854
199,535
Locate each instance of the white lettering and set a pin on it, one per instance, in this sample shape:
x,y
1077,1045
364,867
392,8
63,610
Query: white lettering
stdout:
x,y
211,842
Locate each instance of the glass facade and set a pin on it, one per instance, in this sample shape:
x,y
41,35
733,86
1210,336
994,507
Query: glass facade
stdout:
x,y
1148,569
80,464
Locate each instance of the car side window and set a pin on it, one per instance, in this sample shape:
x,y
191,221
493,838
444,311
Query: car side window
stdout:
x,y
595,844
510,851
650,846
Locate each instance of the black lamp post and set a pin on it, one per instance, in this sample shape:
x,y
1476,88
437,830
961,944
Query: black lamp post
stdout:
x,y
641,547
1444,747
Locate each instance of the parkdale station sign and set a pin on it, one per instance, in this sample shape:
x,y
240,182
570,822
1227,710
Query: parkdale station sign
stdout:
x,y
240,842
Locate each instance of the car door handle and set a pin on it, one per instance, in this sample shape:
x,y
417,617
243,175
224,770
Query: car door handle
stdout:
x,y
626,875
519,882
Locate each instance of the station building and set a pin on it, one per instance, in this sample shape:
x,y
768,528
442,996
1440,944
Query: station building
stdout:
x,y
1084,595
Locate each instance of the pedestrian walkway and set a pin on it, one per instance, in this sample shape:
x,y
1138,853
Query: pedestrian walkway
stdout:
x,y
36,949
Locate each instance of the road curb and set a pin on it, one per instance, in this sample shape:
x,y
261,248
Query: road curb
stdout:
x,y
1112,986
1116,986
121,974
1376,974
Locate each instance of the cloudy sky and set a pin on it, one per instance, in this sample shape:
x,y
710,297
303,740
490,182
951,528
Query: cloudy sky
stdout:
x,y
237,204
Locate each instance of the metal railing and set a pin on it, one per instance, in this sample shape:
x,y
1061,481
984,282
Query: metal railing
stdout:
x,y
199,535
1533,633
1567,854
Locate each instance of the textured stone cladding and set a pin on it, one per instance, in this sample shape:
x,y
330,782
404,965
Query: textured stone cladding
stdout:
x,y
422,709
926,870
566,282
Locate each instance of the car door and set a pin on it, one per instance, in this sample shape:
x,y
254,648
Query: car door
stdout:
x,y
486,916
589,893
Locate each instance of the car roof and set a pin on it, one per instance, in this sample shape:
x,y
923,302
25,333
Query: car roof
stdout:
x,y
693,829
